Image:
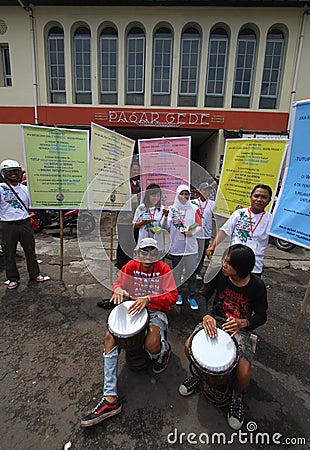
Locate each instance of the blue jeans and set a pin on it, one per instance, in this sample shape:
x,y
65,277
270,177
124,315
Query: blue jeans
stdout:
x,y
189,263
110,360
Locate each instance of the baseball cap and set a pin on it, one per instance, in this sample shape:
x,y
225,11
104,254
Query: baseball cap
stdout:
x,y
148,242
204,186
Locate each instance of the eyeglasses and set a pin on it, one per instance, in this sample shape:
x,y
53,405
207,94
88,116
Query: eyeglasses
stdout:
x,y
154,252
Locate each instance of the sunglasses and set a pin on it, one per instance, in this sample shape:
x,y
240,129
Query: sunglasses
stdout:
x,y
154,252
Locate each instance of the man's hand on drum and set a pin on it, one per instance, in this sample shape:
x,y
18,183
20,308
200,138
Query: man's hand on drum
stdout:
x,y
233,325
209,325
118,295
139,304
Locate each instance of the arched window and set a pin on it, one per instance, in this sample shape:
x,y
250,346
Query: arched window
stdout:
x,y
244,69
135,66
82,65
56,65
216,71
272,69
109,65
189,67
162,67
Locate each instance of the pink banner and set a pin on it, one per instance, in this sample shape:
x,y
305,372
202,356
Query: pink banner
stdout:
x,y
166,162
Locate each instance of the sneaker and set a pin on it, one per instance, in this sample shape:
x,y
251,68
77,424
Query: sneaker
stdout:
x,y
106,304
189,386
199,276
102,411
12,284
236,413
179,300
159,367
193,304
40,278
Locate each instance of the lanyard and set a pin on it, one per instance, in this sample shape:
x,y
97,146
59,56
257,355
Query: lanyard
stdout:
x,y
202,209
152,214
258,222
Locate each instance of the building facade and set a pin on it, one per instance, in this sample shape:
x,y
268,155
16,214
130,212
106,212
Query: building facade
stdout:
x,y
152,69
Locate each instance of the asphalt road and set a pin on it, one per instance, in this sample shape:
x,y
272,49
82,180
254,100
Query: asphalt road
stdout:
x,y
51,366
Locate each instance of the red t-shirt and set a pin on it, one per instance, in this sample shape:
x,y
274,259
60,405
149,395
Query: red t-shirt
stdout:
x,y
158,283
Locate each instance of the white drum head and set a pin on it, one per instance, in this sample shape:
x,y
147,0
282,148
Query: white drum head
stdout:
x,y
214,354
125,325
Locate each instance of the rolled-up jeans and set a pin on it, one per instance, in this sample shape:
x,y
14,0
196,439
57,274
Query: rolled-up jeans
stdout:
x,y
110,360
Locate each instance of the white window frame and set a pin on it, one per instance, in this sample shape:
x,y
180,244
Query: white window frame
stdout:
x,y
271,67
109,79
247,41
192,39
82,38
57,65
216,80
7,73
158,39
135,39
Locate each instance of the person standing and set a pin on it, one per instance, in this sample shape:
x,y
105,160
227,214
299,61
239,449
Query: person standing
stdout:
x,y
15,224
205,208
149,214
184,224
127,235
249,226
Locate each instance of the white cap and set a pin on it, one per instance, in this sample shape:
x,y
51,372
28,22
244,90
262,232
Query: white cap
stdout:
x,y
148,242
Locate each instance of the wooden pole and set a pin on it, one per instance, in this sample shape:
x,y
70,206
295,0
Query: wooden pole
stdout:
x,y
111,246
61,255
303,310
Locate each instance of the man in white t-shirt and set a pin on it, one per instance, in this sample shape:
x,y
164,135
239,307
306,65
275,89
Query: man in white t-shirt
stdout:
x,y
249,226
15,224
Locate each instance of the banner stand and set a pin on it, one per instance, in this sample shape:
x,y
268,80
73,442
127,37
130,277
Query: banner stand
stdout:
x,y
302,313
61,241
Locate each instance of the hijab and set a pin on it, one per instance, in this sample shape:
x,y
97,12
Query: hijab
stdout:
x,y
178,204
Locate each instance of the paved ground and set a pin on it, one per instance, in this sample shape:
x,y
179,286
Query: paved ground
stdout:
x,y
51,364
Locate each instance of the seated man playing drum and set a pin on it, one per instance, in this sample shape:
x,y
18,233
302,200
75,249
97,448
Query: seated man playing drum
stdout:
x,y
150,284
240,304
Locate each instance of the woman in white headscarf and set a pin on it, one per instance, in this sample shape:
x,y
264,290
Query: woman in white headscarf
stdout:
x,y
184,224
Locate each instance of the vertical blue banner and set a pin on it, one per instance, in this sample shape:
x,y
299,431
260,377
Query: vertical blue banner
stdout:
x,y
291,219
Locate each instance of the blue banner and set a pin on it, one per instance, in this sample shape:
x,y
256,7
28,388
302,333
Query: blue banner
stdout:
x,y
291,219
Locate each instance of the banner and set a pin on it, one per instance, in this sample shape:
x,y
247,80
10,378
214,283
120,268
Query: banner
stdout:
x,y
56,164
109,171
291,219
166,162
246,164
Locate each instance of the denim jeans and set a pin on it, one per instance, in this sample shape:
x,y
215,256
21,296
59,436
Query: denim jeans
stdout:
x,y
189,263
110,360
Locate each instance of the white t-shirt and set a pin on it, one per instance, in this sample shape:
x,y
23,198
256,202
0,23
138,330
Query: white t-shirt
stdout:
x,y
180,244
10,207
205,209
145,231
250,229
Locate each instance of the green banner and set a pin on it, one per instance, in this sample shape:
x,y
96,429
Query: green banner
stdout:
x,y
109,170
248,162
57,166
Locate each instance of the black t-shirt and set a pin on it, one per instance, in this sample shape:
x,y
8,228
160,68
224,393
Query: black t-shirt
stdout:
x,y
247,302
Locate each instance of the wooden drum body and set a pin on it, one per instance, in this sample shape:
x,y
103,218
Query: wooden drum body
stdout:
x,y
129,333
214,361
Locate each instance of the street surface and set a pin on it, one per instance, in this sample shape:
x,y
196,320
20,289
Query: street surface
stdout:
x,y
51,364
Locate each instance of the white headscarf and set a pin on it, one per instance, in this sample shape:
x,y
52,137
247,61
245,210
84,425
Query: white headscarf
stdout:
x,y
177,203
